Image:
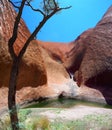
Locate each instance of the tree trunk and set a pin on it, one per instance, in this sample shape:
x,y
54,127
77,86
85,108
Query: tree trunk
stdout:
x,y
12,94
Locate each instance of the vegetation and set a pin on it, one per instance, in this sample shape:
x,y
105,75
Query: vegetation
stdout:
x,y
31,122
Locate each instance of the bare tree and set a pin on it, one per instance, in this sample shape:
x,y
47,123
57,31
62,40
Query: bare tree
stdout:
x,y
49,8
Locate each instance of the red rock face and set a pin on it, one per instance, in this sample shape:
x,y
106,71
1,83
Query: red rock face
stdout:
x,y
95,66
7,18
75,55
32,66
43,67
39,74
57,51
89,57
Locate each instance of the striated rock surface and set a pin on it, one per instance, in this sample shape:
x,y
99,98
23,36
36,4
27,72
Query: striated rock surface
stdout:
x,y
46,67
30,68
57,51
91,59
7,18
76,53
32,72
40,75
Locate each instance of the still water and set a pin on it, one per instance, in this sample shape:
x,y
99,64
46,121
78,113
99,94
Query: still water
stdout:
x,y
66,103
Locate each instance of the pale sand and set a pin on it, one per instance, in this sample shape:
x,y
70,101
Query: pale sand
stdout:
x,y
73,113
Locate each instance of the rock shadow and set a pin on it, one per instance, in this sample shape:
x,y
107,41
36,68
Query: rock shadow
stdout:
x,y
103,83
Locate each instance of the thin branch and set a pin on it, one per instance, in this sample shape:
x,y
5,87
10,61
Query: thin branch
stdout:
x,y
38,29
44,3
46,17
32,37
44,6
37,10
13,4
68,7
49,5
18,2
57,10
29,1
55,3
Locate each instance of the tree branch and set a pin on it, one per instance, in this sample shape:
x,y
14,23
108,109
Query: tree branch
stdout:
x,y
13,4
68,7
45,18
38,10
55,3
15,30
32,37
38,29
17,2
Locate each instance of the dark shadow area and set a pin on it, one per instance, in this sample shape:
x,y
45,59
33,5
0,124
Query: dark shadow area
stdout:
x,y
77,60
103,83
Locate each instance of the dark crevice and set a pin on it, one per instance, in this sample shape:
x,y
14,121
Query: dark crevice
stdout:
x,y
103,83
103,79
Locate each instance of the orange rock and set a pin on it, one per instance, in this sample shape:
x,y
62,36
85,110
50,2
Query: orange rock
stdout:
x,y
92,58
44,67
32,69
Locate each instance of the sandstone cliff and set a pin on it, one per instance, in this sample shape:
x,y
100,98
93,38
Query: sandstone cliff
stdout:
x,y
89,59
46,67
92,58
39,74
30,68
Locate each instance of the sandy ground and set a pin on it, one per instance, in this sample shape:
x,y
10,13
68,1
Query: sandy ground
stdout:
x,y
73,113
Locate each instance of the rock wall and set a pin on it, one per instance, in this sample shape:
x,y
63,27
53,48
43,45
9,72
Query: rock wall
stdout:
x,y
7,18
46,67
32,69
91,60
40,75
89,57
